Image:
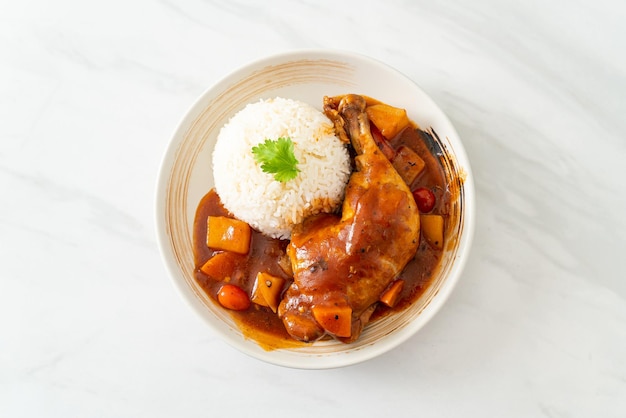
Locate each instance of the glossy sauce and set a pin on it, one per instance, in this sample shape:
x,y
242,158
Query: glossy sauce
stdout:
x,y
265,254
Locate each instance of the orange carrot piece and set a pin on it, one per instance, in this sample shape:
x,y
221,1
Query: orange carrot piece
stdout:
x,y
222,265
390,296
337,320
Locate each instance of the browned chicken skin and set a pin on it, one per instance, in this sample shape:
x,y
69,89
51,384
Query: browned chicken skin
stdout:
x,y
350,260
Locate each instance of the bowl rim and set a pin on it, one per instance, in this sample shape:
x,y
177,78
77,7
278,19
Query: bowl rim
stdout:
x,y
243,344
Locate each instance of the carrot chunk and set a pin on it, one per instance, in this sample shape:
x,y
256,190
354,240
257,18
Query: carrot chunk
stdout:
x,y
222,265
228,234
336,320
390,296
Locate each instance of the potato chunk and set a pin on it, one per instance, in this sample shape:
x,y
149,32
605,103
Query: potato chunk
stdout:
x,y
432,228
408,164
267,290
284,262
388,119
228,234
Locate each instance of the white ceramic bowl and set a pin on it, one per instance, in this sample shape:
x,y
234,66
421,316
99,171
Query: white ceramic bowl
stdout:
x,y
186,175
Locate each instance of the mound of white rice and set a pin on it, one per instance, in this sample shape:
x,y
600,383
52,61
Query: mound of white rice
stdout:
x,y
255,197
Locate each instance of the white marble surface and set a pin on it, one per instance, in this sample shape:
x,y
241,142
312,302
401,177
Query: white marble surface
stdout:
x,y
90,325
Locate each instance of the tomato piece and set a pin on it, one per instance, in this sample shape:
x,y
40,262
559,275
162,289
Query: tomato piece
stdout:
x,y
233,297
425,199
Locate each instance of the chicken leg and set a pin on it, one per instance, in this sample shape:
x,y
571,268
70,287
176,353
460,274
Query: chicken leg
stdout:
x,y
346,262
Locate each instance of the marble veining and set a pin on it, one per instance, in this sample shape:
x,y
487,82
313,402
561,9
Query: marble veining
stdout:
x,y
90,94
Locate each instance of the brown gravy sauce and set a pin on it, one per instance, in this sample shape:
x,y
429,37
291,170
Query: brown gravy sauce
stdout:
x,y
263,325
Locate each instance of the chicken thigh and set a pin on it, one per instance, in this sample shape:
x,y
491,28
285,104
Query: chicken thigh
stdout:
x,y
342,264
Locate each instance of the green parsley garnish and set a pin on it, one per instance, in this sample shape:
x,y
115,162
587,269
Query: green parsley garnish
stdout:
x,y
277,157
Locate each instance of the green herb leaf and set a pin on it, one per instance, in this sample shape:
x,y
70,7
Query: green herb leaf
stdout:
x,y
277,157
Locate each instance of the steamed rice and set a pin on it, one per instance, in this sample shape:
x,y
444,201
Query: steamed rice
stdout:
x,y
255,197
